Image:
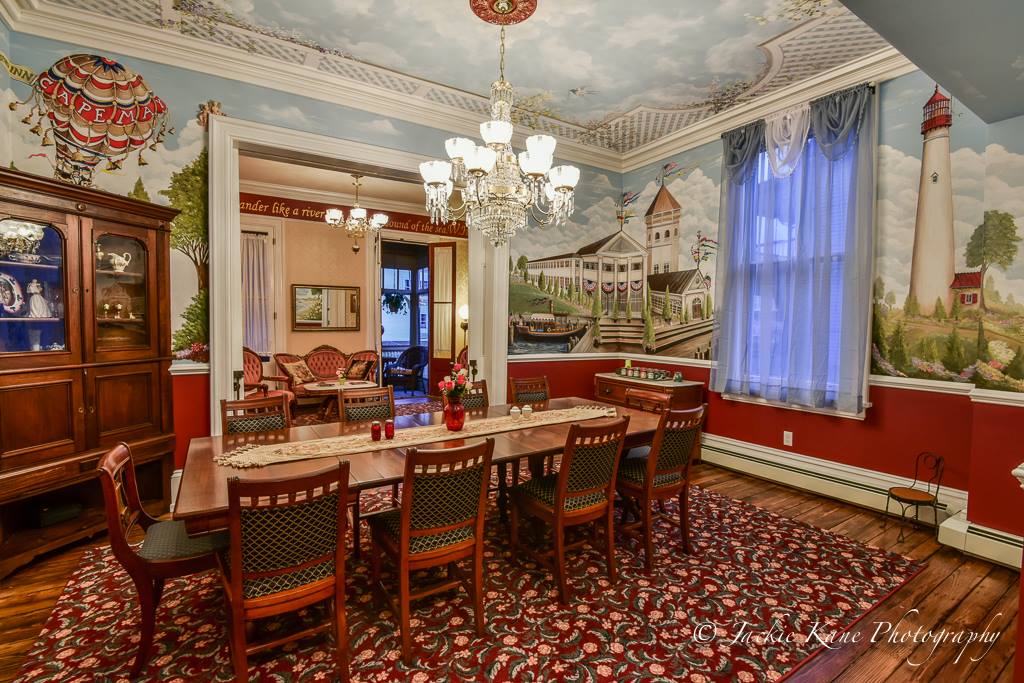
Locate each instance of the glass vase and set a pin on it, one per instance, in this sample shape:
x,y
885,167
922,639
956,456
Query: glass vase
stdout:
x,y
454,414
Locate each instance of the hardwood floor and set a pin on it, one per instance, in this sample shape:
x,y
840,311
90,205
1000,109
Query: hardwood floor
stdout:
x,y
954,591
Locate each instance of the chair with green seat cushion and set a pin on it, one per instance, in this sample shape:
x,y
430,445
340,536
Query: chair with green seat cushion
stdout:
x,y
664,473
529,389
254,415
475,397
287,552
360,405
440,522
580,492
167,552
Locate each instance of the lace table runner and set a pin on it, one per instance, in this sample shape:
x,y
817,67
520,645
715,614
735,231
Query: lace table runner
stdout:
x,y
258,455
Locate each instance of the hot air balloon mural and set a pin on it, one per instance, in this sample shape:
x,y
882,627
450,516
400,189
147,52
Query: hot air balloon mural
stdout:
x,y
94,109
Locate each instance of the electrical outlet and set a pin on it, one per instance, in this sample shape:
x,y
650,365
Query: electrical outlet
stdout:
x,y
787,438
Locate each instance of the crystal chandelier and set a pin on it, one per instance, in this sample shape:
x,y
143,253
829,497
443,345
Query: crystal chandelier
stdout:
x,y
499,190
357,225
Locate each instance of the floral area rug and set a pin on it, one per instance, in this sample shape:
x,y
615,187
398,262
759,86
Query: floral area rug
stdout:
x,y
751,603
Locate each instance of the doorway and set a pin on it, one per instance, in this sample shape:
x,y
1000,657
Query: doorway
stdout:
x,y
405,315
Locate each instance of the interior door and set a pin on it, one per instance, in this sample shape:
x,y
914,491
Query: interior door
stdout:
x,y
442,311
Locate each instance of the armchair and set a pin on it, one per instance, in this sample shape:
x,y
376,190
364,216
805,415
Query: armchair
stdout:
x,y
407,369
255,382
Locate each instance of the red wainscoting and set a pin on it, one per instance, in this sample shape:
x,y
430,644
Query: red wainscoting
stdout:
x,y
997,446
981,442
191,412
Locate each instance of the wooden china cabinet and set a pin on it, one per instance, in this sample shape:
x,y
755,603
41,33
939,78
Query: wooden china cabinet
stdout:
x,y
84,357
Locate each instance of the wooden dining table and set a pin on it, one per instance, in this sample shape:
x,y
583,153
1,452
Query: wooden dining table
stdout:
x,y
202,501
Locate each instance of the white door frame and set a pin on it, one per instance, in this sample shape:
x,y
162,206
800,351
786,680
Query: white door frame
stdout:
x,y
226,136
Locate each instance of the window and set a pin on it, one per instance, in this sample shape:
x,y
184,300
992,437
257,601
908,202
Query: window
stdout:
x,y
608,268
637,265
655,268
665,269
589,265
657,236
969,298
794,270
622,267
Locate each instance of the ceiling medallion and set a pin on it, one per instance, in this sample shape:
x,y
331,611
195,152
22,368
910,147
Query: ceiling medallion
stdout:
x,y
503,12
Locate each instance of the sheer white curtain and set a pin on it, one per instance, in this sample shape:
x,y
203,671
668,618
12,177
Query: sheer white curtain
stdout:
x,y
256,291
795,256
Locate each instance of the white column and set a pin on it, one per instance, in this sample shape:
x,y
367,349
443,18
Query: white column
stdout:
x,y
488,312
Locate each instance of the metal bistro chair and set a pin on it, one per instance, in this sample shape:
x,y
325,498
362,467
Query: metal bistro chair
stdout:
x,y
928,468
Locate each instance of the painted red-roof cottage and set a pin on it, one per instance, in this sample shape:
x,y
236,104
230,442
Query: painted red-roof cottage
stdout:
x,y
967,286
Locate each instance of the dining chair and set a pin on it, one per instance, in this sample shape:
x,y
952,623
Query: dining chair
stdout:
x,y
440,522
580,492
662,475
475,397
373,403
285,555
928,470
649,401
359,405
167,551
253,415
529,389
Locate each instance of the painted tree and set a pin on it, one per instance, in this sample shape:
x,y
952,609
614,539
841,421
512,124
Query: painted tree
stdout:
x,y
926,350
649,338
955,311
139,191
899,355
993,243
595,303
685,315
522,263
666,307
910,306
878,331
940,309
890,299
992,294
188,194
541,284
954,356
196,323
709,305
1015,368
983,354
878,290
648,306
572,291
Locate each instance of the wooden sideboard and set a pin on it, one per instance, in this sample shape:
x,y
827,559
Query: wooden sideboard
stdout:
x,y
84,357
611,388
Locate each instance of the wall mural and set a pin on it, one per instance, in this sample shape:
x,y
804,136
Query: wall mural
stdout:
x,y
949,286
171,167
646,285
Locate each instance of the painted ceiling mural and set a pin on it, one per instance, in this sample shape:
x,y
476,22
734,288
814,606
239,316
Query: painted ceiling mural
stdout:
x,y
660,67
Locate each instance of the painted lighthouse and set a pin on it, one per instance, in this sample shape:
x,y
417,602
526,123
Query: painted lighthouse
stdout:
x,y
932,269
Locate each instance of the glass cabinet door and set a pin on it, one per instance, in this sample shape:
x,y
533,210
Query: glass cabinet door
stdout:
x,y
33,288
121,298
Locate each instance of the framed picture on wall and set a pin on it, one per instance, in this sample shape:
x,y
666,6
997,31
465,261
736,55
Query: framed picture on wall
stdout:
x,y
325,307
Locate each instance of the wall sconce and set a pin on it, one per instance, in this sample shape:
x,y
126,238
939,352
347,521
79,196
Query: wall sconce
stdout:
x,y
464,323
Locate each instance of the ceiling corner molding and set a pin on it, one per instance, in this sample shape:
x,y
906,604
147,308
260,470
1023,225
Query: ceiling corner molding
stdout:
x,y
10,13
878,66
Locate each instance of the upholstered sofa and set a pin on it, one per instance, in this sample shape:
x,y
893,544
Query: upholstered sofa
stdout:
x,y
323,363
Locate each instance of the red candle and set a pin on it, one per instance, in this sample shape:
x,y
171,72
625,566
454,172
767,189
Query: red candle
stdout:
x,y
375,430
389,429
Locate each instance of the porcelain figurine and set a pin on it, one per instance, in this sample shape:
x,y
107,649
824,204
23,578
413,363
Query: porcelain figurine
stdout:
x,y
38,306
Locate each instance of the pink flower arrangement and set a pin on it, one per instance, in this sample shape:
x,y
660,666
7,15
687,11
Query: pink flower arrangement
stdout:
x,y
454,386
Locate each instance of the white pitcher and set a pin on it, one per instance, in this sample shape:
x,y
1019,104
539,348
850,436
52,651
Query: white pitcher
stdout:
x,y
120,261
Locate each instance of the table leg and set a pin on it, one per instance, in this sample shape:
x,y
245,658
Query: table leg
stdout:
x,y
503,492
536,463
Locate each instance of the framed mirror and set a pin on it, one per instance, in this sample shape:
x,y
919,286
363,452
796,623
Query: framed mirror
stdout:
x,y
324,307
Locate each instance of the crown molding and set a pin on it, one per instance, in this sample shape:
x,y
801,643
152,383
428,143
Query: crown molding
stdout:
x,y
324,197
999,398
879,66
84,28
